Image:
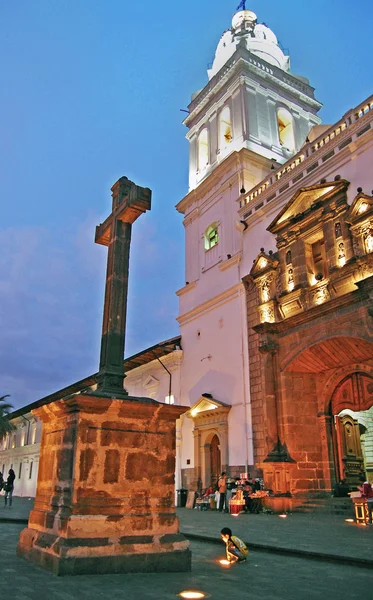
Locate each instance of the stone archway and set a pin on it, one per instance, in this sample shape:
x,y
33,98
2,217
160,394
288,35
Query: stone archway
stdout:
x,y
317,384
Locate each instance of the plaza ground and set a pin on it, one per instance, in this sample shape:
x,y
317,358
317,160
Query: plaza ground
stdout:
x,y
265,576
302,556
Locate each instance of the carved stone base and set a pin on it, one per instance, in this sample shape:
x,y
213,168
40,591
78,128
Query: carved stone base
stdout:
x,y
105,497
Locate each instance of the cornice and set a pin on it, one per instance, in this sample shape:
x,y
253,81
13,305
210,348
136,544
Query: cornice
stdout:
x,y
187,288
332,148
236,160
230,262
209,305
257,67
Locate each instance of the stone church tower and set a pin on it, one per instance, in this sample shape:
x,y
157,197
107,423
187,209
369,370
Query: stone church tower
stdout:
x,y
252,116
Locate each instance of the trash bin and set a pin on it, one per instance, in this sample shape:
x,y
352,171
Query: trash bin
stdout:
x,y
182,496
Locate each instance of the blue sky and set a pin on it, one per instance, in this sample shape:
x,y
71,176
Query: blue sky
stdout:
x,y
90,91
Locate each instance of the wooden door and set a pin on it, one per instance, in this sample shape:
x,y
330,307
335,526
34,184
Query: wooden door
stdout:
x,y
215,459
350,455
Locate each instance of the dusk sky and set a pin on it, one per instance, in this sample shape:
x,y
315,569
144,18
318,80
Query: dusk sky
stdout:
x,y
92,90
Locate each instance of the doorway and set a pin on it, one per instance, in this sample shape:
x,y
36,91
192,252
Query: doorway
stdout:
x,y
215,459
352,409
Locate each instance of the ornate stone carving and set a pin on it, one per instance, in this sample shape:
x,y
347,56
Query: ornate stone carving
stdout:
x,y
266,290
267,313
320,295
356,246
368,239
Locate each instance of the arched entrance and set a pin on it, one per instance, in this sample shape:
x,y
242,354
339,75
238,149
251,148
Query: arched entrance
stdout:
x,y
215,458
352,411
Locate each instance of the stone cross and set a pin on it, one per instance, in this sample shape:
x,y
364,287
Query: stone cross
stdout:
x,y
129,202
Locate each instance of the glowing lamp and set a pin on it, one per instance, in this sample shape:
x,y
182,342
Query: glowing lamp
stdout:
x,y
350,520
224,563
282,516
192,595
363,207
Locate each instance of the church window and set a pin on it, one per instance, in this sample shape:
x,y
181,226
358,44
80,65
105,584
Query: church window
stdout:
x,y
20,470
316,260
286,129
203,149
30,471
225,127
211,236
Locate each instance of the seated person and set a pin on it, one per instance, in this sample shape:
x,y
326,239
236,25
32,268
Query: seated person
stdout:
x,y
341,489
247,490
235,548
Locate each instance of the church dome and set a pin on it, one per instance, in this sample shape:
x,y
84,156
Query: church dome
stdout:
x,y
259,39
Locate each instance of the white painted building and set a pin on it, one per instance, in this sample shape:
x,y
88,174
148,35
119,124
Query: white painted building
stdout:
x,y
255,139
251,117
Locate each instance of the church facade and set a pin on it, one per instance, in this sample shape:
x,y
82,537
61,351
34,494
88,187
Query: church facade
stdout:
x,y
274,362
275,314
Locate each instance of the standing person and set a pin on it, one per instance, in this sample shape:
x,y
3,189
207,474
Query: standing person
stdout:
x,y
367,493
222,487
1,481
235,548
9,487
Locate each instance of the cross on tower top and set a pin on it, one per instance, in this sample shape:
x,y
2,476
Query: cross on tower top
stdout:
x,y
242,5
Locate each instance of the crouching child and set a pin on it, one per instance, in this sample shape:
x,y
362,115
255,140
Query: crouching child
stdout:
x,y
235,548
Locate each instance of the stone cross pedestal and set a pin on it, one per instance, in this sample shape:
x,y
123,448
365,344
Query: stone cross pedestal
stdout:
x,y
105,495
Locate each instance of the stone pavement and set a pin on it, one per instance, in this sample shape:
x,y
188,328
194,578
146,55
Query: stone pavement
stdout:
x,y
317,536
263,577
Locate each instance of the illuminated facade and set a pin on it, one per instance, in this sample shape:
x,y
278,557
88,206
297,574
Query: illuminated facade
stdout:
x,y
275,360
275,318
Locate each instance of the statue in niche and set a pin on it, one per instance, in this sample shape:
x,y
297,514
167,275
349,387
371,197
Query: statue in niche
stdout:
x,y
290,279
266,291
369,240
288,257
338,230
341,251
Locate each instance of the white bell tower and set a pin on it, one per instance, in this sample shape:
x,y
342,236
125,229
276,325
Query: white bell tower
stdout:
x,y
251,101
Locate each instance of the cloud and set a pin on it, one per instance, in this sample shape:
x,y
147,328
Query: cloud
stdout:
x,y
51,300
50,316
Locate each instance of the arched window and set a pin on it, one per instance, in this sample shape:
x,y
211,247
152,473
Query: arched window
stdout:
x,y
286,129
225,127
203,149
211,236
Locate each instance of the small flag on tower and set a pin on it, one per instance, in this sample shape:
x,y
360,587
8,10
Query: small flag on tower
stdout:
x,y
242,5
